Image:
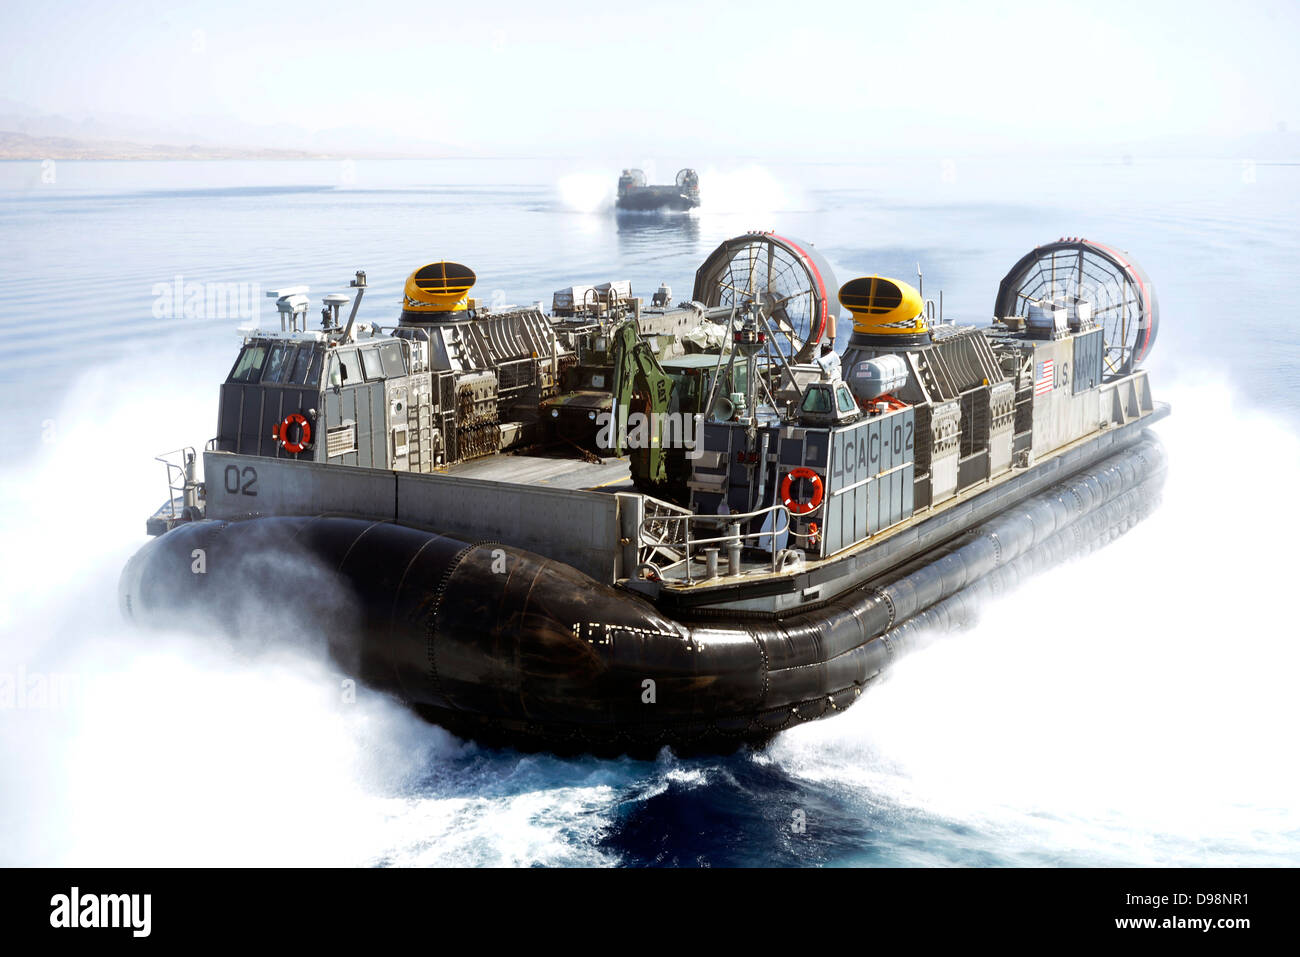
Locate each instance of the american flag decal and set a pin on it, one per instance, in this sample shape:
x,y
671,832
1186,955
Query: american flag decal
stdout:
x,y
1043,384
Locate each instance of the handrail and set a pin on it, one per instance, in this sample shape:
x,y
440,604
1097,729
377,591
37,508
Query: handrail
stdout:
x,y
740,536
727,519
180,477
735,518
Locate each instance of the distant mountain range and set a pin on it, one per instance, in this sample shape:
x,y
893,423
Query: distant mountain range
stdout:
x,y
21,146
29,134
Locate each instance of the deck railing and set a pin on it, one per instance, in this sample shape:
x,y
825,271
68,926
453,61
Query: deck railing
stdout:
x,y
181,485
734,539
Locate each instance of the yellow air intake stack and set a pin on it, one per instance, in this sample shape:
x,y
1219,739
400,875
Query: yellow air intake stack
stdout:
x,y
887,313
437,292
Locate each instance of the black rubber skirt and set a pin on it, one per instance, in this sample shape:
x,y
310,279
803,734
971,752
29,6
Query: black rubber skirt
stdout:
x,y
508,647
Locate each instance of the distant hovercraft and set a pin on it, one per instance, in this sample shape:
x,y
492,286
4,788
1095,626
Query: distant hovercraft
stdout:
x,y
634,194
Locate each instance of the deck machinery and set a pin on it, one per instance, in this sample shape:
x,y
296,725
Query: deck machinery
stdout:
x,y
622,525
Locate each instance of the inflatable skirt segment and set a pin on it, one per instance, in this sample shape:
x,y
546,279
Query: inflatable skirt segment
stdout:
x,y
508,647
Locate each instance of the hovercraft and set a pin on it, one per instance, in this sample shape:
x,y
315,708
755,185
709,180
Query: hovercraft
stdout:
x,y
623,526
635,194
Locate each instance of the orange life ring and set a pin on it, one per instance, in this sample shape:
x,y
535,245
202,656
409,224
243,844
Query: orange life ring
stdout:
x,y
787,497
281,434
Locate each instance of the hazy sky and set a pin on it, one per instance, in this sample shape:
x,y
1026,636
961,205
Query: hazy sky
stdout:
x,y
793,78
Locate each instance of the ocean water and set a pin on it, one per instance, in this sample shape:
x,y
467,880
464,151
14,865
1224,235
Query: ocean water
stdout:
x,y
1132,707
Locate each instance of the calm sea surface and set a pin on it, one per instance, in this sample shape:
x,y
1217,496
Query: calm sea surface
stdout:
x,y
1134,707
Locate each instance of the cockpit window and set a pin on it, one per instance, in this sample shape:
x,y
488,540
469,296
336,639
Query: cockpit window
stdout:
x,y
845,400
248,367
343,368
394,364
817,400
687,390
370,362
306,367
278,363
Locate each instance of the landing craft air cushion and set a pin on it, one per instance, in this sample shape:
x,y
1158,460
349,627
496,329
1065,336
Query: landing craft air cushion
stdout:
x,y
626,525
681,195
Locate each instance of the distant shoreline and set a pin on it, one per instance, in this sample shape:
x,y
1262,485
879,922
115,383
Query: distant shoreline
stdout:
x,y
16,147
314,157
22,147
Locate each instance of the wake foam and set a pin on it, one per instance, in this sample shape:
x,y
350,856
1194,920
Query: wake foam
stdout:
x,y
1134,706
